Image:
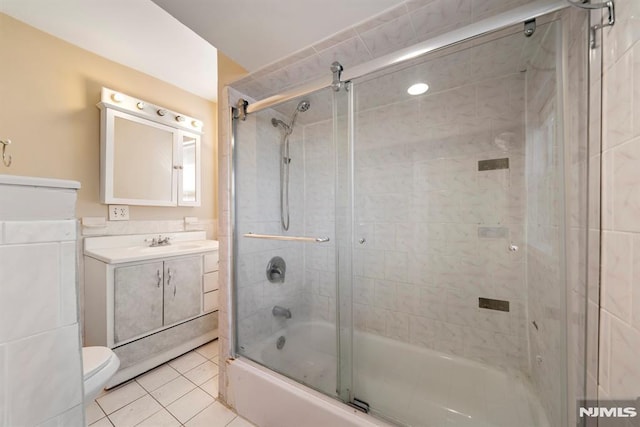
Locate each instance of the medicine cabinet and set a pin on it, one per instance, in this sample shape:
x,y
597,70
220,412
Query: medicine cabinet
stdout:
x,y
150,156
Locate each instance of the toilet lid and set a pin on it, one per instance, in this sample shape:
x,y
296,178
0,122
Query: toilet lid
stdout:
x,y
94,359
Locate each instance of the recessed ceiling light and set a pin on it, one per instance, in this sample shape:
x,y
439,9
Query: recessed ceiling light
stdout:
x,y
418,89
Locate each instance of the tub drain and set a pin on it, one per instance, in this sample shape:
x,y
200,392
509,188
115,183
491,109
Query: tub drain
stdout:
x,y
280,342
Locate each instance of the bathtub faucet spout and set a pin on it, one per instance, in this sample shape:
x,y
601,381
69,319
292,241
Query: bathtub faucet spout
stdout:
x,y
278,311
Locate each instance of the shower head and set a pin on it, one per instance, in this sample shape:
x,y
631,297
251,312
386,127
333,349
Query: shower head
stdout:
x,y
277,122
288,128
303,106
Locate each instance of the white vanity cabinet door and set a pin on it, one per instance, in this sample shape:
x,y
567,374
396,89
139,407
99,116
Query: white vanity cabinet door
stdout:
x,y
138,300
182,289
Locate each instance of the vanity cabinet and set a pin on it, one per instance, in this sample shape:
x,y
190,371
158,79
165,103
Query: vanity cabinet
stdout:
x,y
137,300
183,289
152,295
149,304
210,282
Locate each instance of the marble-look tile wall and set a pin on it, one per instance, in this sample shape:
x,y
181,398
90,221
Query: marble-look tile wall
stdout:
x,y
619,374
412,21
257,177
437,229
40,363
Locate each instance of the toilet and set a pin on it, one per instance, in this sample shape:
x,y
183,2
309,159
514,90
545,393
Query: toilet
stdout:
x,y
98,365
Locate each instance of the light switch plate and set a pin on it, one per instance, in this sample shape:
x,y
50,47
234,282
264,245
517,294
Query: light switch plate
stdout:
x,y
118,213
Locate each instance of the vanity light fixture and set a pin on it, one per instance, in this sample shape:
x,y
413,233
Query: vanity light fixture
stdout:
x,y
195,123
140,105
117,97
418,89
161,112
179,119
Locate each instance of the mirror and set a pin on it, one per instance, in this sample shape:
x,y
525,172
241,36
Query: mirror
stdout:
x,y
189,184
142,161
147,156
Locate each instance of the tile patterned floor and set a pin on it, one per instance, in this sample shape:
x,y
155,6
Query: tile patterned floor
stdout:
x,y
181,392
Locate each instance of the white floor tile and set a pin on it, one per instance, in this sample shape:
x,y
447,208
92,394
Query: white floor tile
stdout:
x,y
202,373
117,398
160,419
93,413
209,350
215,415
102,422
240,422
173,390
157,377
190,404
135,412
187,362
211,387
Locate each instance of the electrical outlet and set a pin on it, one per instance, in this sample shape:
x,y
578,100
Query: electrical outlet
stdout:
x,y
118,213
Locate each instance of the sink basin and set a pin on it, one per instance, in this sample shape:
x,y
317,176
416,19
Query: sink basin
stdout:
x,y
116,255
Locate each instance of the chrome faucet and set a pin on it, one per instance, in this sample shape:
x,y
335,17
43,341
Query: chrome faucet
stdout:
x,y
278,311
160,241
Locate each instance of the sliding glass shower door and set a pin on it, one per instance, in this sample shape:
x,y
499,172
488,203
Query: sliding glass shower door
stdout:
x,y
288,209
458,287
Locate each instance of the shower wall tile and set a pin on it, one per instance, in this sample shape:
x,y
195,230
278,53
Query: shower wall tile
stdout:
x,y
350,52
440,16
420,201
620,308
617,274
410,22
390,36
617,102
624,35
626,186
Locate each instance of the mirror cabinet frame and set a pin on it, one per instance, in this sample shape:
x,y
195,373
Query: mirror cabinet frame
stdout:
x,y
117,105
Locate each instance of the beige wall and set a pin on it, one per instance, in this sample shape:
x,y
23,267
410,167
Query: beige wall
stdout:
x,y
48,95
228,71
619,374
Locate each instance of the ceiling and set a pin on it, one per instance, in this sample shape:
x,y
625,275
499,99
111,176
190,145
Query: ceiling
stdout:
x,y
138,34
142,35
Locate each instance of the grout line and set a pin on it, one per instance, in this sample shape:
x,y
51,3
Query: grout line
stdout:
x,y
163,407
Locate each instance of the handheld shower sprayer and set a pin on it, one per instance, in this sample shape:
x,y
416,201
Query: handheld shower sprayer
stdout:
x,y
285,160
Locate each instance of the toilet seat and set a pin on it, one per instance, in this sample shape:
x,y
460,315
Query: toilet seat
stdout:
x,y
98,366
94,359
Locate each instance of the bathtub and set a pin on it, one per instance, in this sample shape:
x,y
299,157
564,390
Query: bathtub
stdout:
x,y
404,384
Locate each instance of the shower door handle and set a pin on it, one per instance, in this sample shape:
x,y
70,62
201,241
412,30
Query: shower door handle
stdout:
x,y
287,238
